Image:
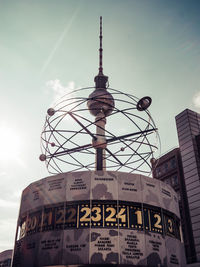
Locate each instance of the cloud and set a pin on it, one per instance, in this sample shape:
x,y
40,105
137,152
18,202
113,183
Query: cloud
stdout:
x,y
60,39
8,228
3,173
11,143
196,100
7,203
58,89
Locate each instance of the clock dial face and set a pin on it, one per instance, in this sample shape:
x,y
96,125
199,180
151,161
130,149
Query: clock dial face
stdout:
x,y
68,138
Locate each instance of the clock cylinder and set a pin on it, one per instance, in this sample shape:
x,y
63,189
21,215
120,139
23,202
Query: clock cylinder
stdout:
x,y
97,218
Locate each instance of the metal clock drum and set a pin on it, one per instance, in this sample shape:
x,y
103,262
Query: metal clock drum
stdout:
x,y
98,217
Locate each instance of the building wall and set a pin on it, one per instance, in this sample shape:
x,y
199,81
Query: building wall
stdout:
x,y
168,168
188,127
5,258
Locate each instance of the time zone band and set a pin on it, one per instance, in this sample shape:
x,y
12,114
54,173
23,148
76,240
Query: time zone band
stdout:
x,y
100,214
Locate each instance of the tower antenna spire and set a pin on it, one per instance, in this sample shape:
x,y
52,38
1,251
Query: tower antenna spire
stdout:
x,y
101,80
100,49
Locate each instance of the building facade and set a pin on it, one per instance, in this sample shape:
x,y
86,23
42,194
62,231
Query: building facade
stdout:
x,y
5,258
168,168
188,128
181,169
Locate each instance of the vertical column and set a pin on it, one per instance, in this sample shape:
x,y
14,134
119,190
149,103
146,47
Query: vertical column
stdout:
x,y
104,235
154,238
132,239
100,122
76,236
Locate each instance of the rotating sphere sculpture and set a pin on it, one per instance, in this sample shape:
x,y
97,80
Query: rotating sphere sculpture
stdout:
x,y
69,138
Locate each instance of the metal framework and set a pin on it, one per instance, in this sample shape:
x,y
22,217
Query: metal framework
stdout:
x,y
69,134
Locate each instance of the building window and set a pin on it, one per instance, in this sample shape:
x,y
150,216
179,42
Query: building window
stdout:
x,y
179,199
158,172
168,181
173,163
174,180
166,167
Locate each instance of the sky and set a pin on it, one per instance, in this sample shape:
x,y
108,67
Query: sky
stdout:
x,y
151,47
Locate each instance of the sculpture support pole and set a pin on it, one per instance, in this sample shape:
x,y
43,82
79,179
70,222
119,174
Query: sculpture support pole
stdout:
x,y
100,143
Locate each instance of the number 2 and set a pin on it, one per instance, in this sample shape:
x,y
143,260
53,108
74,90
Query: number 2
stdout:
x,y
157,224
110,217
86,216
60,218
72,216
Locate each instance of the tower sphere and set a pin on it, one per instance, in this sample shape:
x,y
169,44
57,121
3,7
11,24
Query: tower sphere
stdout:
x,y
100,100
51,111
42,157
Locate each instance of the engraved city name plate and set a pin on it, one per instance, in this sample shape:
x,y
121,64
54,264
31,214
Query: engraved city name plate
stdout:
x,y
33,196
168,197
174,252
50,248
155,249
129,187
104,185
150,191
54,189
76,246
26,252
132,247
104,246
78,186
18,253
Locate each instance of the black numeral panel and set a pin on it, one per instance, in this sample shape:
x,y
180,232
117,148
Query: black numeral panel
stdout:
x,y
101,214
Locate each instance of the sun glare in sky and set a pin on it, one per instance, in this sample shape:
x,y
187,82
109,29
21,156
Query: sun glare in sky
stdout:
x,y
10,143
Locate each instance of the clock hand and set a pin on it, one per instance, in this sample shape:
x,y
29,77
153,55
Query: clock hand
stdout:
x,y
128,135
85,128
113,155
123,136
67,151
